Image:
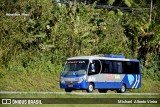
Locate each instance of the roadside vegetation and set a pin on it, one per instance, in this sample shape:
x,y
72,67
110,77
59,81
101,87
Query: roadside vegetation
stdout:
x,y
33,48
49,82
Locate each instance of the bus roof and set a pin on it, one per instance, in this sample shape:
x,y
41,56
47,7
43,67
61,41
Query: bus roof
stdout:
x,y
102,58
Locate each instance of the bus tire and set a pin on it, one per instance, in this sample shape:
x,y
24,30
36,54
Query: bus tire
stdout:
x,y
102,90
68,90
122,89
90,88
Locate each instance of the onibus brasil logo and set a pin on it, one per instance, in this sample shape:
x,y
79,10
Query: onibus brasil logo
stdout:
x,y
21,101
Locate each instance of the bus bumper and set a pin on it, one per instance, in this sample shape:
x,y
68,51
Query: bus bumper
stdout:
x,y
82,85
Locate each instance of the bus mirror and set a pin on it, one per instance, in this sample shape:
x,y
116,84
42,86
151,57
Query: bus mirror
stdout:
x,y
92,68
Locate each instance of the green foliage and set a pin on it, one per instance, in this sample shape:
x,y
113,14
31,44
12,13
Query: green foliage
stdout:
x,y
111,2
43,41
126,2
112,38
151,69
2,73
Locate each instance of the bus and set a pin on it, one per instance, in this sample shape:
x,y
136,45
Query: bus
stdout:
x,y
102,72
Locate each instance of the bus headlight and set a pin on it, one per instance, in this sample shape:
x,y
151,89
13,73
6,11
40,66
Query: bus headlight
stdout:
x,y
80,80
62,80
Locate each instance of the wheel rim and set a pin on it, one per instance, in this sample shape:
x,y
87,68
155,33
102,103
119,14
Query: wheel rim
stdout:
x,y
123,88
90,87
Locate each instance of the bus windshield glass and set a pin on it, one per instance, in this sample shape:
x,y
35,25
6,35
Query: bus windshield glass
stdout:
x,y
76,67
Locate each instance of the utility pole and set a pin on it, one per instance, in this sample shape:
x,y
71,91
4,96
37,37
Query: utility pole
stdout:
x,y
151,9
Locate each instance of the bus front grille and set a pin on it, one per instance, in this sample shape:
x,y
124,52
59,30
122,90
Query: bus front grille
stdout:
x,y
71,82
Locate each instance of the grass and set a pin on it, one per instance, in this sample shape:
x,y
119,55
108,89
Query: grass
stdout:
x,y
68,95
49,82
29,81
148,85
46,81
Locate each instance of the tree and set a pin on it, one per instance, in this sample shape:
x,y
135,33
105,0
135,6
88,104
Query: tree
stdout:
x,y
126,2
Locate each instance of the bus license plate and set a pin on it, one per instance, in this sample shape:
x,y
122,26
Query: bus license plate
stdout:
x,y
70,85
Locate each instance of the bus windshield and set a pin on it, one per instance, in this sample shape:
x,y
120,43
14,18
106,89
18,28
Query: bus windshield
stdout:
x,y
75,67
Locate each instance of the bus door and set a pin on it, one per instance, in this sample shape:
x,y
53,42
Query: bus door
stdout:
x,y
93,73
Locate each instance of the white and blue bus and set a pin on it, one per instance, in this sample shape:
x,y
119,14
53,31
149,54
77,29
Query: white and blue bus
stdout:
x,y
105,72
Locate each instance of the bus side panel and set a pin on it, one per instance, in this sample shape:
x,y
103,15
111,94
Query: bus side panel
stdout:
x,y
99,85
138,85
104,85
132,80
106,81
115,81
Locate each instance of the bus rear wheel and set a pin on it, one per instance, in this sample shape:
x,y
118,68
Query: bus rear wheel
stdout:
x,y
90,88
68,90
102,90
122,89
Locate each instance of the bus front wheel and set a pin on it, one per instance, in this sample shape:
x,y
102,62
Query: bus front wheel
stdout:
x,y
90,88
122,89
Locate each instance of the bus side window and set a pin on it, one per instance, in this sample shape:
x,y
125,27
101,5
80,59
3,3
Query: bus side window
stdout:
x,y
120,67
136,68
128,67
109,66
131,67
105,67
117,67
